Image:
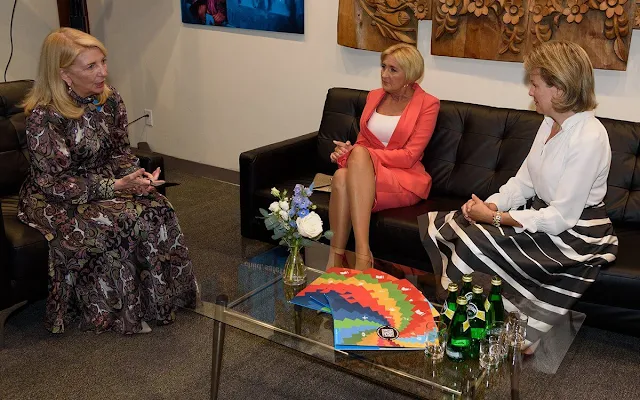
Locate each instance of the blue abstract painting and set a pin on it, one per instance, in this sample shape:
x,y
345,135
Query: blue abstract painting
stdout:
x,y
265,15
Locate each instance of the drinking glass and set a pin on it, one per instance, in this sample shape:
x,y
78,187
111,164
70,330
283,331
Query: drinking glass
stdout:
x,y
498,331
437,348
490,352
511,327
520,330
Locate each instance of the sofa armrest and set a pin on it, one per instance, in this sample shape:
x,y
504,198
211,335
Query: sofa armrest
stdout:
x,y
150,161
268,165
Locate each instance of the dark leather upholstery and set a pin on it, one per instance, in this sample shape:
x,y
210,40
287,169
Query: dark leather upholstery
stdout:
x,y
474,149
23,250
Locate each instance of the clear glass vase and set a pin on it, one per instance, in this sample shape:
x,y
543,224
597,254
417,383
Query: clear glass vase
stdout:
x,y
295,272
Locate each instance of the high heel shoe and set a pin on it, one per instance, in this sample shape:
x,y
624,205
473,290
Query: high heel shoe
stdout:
x,y
369,260
339,261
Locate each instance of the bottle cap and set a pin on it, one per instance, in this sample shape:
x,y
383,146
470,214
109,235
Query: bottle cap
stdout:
x,y
496,281
477,289
453,287
467,278
461,301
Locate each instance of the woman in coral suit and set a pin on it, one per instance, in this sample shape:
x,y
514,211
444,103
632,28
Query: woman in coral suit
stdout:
x,y
382,169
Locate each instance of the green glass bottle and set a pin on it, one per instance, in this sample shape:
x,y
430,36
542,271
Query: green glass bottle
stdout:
x,y
477,319
467,286
449,306
459,342
494,303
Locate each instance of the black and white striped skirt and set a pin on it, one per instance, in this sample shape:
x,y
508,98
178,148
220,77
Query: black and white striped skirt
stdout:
x,y
542,275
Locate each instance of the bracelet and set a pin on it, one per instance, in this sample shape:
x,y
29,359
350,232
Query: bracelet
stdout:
x,y
497,217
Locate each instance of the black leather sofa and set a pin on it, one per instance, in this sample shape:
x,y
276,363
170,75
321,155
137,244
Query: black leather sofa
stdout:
x,y
23,250
474,149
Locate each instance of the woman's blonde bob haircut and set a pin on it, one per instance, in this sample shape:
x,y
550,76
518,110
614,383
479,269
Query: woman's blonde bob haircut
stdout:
x,y
566,66
409,58
59,51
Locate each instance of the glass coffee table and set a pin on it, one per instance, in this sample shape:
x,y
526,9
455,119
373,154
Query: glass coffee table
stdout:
x,y
261,307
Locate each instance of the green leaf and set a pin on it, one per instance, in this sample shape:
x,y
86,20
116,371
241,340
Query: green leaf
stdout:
x,y
264,212
328,234
306,242
271,224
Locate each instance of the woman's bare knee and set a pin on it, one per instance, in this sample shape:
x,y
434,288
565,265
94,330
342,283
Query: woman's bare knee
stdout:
x,y
339,180
359,156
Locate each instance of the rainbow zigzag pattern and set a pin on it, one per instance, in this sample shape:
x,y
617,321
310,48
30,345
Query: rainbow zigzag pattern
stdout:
x,y
366,303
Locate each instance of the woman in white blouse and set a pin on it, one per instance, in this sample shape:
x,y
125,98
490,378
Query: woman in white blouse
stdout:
x,y
546,231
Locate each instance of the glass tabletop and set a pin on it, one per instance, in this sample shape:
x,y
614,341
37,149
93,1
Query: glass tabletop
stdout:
x,y
261,307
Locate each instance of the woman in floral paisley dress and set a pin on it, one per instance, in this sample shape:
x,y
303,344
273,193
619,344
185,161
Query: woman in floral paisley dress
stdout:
x,y
117,256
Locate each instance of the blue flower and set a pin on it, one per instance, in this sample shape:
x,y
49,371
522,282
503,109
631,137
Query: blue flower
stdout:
x,y
305,203
303,212
298,189
297,200
292,223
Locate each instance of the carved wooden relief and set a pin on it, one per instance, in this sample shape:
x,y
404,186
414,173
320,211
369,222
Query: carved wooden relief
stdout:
x,y
506,29
494,29
601,27
485,29
378,24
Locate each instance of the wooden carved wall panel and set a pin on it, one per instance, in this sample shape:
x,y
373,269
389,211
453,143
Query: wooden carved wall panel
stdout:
x,y
494,29
484,29
506,29
602,27
377,24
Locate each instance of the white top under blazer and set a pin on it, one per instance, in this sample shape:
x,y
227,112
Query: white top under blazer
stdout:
x,y
383,126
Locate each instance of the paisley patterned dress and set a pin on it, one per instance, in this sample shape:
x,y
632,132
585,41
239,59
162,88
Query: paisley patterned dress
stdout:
x,y
115,258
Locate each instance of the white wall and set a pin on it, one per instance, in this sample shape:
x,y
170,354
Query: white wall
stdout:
x,y
216,92
33,21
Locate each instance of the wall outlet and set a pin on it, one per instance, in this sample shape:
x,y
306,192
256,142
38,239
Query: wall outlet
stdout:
x,y
149,119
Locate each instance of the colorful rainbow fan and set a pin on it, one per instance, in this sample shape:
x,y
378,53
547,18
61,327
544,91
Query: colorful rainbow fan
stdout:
x,y
371,309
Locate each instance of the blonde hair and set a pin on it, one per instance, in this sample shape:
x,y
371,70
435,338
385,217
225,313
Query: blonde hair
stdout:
x,y
409,58
59,50
566,66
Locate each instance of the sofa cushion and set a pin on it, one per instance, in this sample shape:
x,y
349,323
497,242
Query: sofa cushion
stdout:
x,y
340,121
14,162
476,149
27,252
28,249
623,192
618,283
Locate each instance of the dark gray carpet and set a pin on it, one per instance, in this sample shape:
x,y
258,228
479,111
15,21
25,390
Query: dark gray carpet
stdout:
x,y
173,362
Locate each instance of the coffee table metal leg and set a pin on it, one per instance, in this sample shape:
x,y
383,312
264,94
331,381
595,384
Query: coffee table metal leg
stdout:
x,y
515,369
218,343
297,310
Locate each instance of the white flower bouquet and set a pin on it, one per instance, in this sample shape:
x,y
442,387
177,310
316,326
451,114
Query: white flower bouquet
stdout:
x,y
294,224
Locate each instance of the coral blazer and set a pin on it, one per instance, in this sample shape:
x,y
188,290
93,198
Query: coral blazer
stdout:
x,y
405,149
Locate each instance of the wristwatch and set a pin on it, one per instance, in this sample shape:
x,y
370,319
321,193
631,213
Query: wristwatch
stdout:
x,y
497,217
